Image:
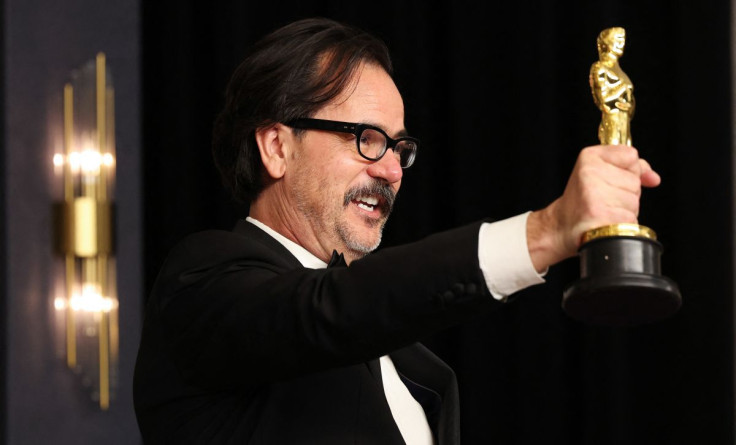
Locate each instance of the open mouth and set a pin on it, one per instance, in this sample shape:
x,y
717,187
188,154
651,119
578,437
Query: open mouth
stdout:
x,y
367,203
375,199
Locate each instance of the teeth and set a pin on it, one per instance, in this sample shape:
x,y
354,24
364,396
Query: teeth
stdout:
x,y
369,200
365,206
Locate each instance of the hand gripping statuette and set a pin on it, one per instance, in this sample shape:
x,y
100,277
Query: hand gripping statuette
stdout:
x,y
620,275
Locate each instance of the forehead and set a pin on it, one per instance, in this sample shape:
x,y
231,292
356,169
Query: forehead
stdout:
x,y
371,97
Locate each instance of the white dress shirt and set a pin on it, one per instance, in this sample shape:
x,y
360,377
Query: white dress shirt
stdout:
x,y
504,260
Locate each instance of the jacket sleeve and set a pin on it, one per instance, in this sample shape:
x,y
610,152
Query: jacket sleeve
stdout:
x,y
227,312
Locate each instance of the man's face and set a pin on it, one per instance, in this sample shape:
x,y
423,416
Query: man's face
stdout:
x,y
343,200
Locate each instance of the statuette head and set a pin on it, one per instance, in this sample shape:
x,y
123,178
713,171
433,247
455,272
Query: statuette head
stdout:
x,y
611,41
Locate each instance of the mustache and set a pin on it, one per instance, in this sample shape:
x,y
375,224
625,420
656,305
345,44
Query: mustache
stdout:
x,y
374,188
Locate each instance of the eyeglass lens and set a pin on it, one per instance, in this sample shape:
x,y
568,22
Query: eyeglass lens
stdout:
x,y
372,144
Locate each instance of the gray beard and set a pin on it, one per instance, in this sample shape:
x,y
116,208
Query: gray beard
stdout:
x,y
387,203
359,249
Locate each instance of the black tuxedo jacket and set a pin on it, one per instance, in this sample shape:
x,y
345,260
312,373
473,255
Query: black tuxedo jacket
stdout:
x,y
241,344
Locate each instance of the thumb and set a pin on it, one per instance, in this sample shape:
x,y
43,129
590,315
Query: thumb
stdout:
x,y
649,178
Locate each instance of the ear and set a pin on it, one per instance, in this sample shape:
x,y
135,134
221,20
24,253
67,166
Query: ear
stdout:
x,y
273,149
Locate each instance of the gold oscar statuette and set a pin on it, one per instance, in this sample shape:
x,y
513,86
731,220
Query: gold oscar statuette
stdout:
x,y
620,274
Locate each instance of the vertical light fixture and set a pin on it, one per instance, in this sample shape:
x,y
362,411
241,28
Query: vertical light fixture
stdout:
x,y
89,308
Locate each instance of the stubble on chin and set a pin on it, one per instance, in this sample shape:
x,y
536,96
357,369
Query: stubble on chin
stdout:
x,y
360,248
352,240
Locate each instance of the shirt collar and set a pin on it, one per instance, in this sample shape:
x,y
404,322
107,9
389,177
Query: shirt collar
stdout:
x,y
303,255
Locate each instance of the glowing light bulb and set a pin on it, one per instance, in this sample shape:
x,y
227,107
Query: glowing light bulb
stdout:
x,y
59,303
90,161
91,300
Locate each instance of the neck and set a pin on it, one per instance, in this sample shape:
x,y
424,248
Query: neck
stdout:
x,y
609,58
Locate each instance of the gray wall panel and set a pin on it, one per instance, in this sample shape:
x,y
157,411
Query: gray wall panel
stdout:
x,y
44,41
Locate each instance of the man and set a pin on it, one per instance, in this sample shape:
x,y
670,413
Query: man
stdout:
x,y
263,335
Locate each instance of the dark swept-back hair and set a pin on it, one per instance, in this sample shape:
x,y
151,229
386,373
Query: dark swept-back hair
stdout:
x,y
291,73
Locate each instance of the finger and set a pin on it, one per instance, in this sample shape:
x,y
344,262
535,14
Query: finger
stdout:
x,y
622,156
621,179
597,174
649,178
628,203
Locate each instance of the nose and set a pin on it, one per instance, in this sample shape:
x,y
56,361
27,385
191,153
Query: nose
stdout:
x,y
387,168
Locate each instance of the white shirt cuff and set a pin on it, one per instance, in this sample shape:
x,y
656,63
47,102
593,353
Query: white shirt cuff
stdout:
x,y
504,257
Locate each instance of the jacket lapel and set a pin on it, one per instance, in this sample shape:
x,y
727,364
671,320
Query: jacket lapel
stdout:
x,y
433,384
374,367
254,233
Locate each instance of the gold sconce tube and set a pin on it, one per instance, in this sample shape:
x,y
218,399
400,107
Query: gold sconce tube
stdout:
x,y
85,230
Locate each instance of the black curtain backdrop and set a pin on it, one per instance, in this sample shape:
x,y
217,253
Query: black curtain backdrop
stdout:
x,y
498,93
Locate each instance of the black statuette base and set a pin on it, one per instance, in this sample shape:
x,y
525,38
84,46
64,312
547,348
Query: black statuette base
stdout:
x,y
621,284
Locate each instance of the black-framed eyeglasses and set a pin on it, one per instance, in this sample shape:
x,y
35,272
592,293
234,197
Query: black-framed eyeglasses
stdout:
x,y
371,141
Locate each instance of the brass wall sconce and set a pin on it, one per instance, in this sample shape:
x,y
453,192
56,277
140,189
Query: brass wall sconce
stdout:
x,y
88,310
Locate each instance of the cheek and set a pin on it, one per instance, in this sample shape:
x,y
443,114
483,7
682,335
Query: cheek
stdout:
x,y
332,166
345,171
